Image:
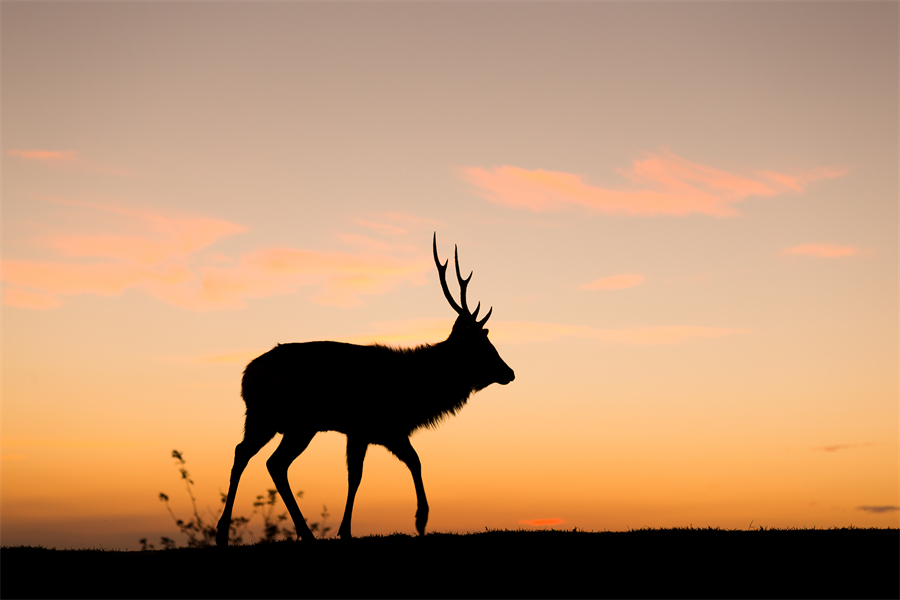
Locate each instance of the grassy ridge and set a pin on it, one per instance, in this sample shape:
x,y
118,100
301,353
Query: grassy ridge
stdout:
x,y
834,563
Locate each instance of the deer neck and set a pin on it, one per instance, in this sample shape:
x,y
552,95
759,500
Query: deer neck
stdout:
x,y
449,366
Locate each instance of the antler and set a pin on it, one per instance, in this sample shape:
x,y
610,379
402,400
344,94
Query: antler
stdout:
x,y
442,272
463,284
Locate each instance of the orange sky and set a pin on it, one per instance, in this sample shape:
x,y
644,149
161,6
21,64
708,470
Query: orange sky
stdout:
x,y
684,216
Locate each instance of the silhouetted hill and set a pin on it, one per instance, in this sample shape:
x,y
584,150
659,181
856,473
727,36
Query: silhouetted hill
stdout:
x,y
836,563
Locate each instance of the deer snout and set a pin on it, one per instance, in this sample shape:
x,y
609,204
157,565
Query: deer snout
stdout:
x,y
506,377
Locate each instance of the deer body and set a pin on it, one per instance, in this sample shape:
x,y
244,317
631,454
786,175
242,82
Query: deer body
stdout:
x,y
374,394
372,391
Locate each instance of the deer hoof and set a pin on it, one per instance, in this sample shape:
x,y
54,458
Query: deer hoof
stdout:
x,y
420,527
222,539
421,520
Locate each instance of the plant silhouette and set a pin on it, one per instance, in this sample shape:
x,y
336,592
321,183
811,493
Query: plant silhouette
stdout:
x,y
374,394
264,506
201,534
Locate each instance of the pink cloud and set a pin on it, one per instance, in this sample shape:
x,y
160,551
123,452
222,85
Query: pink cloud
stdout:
x,y
182,237
43,155
68,159
662,184
824,250
541,522
180,234
343,277
155,259
383,228
340,279
615,282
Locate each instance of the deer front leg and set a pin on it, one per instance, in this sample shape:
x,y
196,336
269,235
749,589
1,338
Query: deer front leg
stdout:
x,y
356,454
243,452
292,444
402,449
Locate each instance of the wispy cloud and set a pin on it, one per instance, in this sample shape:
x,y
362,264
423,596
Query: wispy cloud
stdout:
x,y
541,522
341,278
615,282
383,228
67,159
661,184
158,255
838,447
175,238
878,509
824,250
417,331
44,155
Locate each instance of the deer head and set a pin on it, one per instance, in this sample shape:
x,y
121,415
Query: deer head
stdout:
x,y
469,335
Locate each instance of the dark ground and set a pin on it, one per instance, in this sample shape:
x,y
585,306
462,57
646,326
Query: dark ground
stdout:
x,y
836,563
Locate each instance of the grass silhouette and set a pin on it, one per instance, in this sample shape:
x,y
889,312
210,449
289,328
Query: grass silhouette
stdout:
x,y
689,562
201,533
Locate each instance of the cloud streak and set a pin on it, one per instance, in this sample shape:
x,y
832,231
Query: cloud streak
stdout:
x,y
661,184
67,159
615,282
824,250
43,155
878,509
838,447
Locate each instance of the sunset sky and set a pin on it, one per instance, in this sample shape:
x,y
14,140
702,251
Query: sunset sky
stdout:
x,y
684,215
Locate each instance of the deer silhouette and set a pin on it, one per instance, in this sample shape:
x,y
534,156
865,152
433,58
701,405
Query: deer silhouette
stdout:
x,y
374,394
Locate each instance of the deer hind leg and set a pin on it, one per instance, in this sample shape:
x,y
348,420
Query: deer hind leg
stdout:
x,y
292,444
402,449
356,453
254,440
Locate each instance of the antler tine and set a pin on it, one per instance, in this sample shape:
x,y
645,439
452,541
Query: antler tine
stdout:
x,y
486,317
442,273
475,312
463,283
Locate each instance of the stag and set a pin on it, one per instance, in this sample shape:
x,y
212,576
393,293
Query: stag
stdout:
x,y
373,394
